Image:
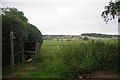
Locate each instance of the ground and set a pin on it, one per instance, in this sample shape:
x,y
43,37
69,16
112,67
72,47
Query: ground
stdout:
x,y
52,66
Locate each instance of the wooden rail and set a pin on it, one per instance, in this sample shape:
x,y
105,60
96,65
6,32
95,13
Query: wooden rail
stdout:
x,y
36,52
30,51
54,45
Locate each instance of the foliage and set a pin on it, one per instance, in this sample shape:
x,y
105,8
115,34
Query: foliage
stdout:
x,y
85,38
85,57
111,11
73,59
34,36
68,40
49,64
98,35
14,20
12,23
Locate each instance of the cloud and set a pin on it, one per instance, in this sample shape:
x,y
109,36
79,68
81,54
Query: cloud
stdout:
x,y
54,1
66,17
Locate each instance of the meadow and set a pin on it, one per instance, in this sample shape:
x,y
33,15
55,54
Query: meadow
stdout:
x,y
60,59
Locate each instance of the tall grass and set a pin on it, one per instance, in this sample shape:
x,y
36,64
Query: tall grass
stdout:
x,y
87,56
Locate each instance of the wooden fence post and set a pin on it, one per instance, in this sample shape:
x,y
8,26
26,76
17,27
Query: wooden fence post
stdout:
x,y
37,49
11,50
23,55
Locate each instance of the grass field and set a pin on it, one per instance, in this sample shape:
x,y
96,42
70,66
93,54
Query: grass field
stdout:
x,y
51,66
60,59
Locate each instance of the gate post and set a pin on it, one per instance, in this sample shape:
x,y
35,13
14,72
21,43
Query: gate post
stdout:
x,y
11,50
37,49
23,55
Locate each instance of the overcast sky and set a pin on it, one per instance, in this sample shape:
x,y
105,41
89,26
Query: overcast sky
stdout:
x,y
65,16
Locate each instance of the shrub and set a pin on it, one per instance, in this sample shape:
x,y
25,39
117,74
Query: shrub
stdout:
x,y
68,40
85,38
85,57
24,32
12,23
33,36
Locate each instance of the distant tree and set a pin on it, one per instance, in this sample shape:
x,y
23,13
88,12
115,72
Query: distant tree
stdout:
x,y
97,35
111,11
85,38
68,40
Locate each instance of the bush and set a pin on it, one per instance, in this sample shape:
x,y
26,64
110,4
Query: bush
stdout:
x,y
68,40
85,57
26,35
85,38
34,36
12,23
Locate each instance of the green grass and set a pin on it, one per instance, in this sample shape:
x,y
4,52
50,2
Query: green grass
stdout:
x,y
51,66
70,60
55,43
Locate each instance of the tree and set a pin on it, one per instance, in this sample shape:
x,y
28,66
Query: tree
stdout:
x,y
26,34
34,36
85,38
111,11
11,21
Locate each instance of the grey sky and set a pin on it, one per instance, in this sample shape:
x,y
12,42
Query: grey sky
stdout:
x,y
65,16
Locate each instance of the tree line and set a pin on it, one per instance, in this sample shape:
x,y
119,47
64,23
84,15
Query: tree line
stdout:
x,y
98,35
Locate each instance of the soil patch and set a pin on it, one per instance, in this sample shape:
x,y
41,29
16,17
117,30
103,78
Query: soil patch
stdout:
x,y
104,74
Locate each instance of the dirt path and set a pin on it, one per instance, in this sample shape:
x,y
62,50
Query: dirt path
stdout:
x,y
104,74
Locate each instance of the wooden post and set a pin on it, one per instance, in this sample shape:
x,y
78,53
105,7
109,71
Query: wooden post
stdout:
x,y
37,49
11,50
23,55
